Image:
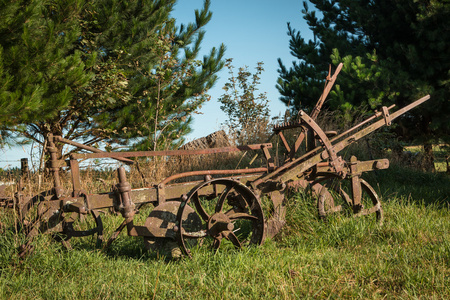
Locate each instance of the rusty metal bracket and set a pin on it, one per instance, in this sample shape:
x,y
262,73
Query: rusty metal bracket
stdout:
x,y
127,206
330,152
283,140
386,116
161,193
356,185
76,182
270,162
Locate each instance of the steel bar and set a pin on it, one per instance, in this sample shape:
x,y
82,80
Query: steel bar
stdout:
x,y
311,158
213,172
376,115
380,123
169,152
326,91
92,149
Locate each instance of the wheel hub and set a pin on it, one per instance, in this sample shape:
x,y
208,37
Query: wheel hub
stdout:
x,y
218,223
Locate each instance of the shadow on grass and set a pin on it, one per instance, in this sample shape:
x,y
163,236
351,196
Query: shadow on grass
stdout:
x,y
417,186
124,247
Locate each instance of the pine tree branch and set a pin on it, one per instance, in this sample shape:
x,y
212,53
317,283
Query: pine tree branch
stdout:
x,y
72,129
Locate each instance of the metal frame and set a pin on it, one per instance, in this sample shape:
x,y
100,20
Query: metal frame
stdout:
x,y
311,169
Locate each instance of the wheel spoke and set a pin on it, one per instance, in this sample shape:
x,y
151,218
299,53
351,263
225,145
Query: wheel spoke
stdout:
x,y
337,208
216,244
200,210
240,215
223,196
232,238
372,210
195,235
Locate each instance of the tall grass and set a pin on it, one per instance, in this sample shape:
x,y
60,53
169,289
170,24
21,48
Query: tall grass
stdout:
x,y
406,258
343,257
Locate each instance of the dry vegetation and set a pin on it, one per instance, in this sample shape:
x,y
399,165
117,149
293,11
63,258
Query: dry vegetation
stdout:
x,y
407,257
100,175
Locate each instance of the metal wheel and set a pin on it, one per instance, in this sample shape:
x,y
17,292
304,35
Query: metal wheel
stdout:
x,y
78,222
76,225
335,195
39,215
230,212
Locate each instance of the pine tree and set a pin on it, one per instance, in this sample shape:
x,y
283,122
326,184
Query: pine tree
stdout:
x,y
40,63
86,70
393,52
168,82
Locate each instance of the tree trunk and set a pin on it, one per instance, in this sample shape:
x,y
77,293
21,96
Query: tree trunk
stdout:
x,y
42,158
428,157
447,159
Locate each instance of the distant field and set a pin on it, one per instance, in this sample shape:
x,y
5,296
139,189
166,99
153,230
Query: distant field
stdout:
x,y
439,152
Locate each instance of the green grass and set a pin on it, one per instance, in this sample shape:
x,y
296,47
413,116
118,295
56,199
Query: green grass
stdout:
x,y
406,258
439,152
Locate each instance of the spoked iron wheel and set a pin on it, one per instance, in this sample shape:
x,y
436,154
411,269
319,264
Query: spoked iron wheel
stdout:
x,y
230,212
35,217
38,215
335,195
76,225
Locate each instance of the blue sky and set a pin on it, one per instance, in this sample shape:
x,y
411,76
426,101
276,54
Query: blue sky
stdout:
x,y
252,31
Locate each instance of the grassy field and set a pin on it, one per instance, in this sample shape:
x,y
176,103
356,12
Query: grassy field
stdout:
x,y
406,258
439,152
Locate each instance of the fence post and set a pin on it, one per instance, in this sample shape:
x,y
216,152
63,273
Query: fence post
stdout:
x,y
24,167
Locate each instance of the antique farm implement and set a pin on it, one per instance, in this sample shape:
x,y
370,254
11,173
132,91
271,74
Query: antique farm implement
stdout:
x,y
225,206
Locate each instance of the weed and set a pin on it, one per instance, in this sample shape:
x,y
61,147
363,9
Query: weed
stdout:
x,y
407,257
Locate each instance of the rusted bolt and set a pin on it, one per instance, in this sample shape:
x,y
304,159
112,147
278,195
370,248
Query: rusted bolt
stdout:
x,y
378,165
281,185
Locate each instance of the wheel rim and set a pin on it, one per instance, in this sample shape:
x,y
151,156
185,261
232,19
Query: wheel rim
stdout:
x,y
333,196
231,216
75,226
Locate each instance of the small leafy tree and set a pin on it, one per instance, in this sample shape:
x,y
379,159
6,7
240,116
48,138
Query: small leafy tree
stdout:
x,y
247,111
